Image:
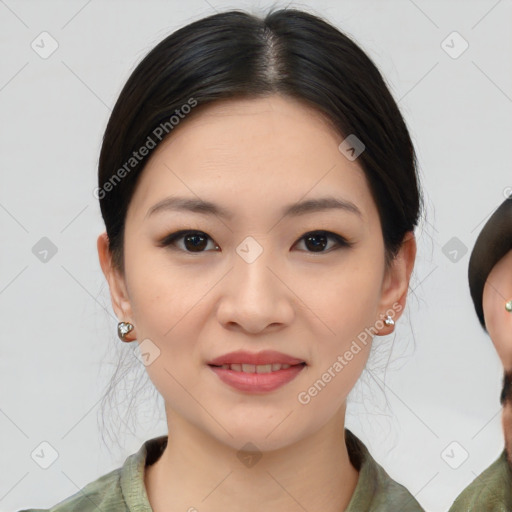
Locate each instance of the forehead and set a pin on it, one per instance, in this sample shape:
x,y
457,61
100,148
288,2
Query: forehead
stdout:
x,y
253,152
269,128
500,277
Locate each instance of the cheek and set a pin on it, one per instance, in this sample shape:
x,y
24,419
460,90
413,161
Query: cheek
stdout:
x,y
163,297
345,299
499,323
167,311
342,308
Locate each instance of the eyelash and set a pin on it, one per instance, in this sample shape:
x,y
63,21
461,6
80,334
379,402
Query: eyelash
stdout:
x,y
169,240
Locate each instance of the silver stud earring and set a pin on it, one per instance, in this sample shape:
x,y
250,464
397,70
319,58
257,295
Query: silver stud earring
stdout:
x,y
508,306
389,321
123,328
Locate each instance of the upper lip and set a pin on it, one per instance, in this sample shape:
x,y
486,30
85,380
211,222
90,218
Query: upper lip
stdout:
x,y
258,358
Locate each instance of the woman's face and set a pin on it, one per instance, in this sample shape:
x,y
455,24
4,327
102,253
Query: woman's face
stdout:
x,y
250,280
497,291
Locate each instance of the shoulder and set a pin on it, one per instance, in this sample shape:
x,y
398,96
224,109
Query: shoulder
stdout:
x,y
492,489
376,490
120,490
393,494
102,494
389,494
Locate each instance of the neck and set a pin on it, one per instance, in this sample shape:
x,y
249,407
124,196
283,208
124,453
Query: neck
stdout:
x,y
196,470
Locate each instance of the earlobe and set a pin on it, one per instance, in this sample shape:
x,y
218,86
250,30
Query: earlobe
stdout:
x,y
116,283
396,284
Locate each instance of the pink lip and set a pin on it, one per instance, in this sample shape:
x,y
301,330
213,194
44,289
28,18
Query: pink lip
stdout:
x,y
258,382
259,358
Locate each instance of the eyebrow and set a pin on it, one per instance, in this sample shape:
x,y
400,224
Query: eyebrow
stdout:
x,y
194,205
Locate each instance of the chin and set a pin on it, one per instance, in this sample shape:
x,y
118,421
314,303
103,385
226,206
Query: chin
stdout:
x,y
256,438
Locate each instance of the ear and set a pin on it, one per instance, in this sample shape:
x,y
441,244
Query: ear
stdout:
x,y
498,320
116,283
395,284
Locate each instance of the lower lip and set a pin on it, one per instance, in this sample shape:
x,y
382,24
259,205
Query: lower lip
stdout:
x,y
258,382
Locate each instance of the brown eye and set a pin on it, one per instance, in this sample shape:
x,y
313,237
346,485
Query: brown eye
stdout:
x,y
197,241
317,241
193,241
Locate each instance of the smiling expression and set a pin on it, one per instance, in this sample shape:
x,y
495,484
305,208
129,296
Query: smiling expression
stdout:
x,y
250,230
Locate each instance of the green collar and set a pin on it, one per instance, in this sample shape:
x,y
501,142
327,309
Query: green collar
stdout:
x,y
375,490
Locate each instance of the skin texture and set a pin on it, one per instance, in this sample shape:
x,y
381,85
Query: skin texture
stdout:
x,y
497,291
253,157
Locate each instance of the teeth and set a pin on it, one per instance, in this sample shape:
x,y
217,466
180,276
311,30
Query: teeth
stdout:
x,y
264,368
252,368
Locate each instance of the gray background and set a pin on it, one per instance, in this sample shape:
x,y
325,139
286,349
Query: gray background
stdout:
x,y
438,401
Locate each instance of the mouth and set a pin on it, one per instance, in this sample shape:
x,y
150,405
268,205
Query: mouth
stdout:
x,y
261,378
256,368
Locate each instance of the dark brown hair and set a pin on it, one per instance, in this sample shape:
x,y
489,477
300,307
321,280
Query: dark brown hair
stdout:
x,y
493,242
236,54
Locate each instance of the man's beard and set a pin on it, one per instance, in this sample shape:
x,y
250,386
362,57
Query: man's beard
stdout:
x,y
506,402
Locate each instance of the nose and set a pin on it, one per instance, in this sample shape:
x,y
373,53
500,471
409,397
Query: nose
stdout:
x,y
255,296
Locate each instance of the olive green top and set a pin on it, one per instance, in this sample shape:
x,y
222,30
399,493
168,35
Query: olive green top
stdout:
x,y
491,491
123,490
